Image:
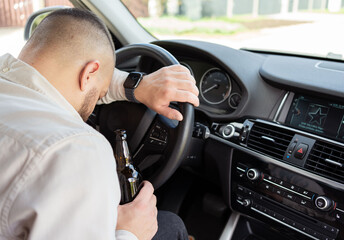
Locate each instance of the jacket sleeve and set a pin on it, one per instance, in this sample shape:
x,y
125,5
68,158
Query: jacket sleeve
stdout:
x,y
116,89
72,193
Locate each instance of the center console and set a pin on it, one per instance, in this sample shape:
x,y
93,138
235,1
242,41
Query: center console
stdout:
x,y
290,173
272,193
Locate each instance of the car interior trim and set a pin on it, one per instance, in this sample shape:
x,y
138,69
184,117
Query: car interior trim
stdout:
x,y
285,224
230,226
122,22
280,107
305,74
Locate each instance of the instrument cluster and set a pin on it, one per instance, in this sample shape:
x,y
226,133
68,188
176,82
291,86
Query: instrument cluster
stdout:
x,y
219,93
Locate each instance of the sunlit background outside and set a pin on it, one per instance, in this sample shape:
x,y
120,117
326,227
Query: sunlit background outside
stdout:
x,y
13,16
313,27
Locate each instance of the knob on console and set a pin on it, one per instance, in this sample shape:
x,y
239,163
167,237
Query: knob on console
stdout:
x,y
253,174
227,131
246,202
323,203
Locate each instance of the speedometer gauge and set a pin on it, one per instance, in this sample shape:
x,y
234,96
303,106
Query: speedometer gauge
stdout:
x,y
215,86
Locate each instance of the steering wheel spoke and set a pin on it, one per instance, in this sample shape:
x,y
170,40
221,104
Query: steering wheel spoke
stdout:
x,y
154,142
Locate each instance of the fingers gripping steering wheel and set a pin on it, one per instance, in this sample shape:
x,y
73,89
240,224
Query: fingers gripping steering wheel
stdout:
x,y
158,145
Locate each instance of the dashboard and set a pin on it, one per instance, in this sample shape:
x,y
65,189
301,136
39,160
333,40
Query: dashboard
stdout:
x,y
273,128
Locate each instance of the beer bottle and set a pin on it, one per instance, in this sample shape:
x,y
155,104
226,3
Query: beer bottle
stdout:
x,y
129,177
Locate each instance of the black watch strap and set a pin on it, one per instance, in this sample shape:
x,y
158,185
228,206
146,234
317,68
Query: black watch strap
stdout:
x,y
129,93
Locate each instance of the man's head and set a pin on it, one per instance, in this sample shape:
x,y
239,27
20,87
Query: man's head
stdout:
x,y
74,51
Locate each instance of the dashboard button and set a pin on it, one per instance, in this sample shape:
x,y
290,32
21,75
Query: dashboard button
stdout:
x,y
293,224
323,203
259,207
280,182
294,188
334,230
303,228
320,203
240,198
291,147
274,214
315,234
267,187
325,227
301,151
241,188
284,219
253,174
291,187
241,174
303,202
323,237
305,192
339,216
246,202
289,222
299,226
249,192
279,192
279,217
310,231
290,196
270,178
265,210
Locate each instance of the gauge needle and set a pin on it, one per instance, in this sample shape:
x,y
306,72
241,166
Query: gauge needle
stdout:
x,y
211,88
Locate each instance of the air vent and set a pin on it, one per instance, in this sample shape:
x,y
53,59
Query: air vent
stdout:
x,y
327,160
270,140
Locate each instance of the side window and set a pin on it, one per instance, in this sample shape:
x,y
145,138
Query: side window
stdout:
x,y
13,16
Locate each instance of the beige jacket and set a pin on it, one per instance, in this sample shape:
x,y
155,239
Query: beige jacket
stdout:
x,y
57,174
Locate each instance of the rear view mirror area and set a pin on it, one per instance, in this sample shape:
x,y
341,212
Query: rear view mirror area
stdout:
x,y
36,18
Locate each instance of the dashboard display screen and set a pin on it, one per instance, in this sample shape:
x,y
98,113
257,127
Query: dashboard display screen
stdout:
x,y
317,116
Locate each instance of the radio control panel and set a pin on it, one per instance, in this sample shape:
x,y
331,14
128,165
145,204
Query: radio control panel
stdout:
x,y
308,208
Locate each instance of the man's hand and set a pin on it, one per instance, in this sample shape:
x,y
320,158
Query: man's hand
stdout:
x,y
140,216
169,84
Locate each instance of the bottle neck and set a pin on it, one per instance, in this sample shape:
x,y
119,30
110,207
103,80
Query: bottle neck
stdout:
x,y
126,153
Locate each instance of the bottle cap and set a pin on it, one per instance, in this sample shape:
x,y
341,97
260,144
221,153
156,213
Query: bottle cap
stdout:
x,y
120,134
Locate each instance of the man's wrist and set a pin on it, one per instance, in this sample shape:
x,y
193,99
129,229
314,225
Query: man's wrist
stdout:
x,y
130,95
131,83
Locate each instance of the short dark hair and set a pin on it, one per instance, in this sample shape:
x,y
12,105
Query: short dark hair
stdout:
x,y
83,15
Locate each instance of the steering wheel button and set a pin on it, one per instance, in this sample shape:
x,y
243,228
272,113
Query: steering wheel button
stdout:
x,y
155,134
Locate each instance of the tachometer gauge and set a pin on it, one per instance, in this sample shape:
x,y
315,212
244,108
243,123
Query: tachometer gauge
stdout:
x,y
215,86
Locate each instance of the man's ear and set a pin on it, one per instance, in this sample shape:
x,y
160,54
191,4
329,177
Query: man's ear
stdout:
x,y
87,74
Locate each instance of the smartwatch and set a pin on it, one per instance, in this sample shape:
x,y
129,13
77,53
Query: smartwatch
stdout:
x,y
131,83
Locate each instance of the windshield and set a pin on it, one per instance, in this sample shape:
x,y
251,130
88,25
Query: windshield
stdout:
x,y
307,27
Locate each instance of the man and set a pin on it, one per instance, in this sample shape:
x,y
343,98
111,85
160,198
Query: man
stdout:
x,y
58,175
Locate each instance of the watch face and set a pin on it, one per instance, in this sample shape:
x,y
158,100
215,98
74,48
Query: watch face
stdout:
x,y
133,80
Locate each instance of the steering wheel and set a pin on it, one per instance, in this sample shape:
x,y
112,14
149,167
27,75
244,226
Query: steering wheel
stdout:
x,y
157,144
